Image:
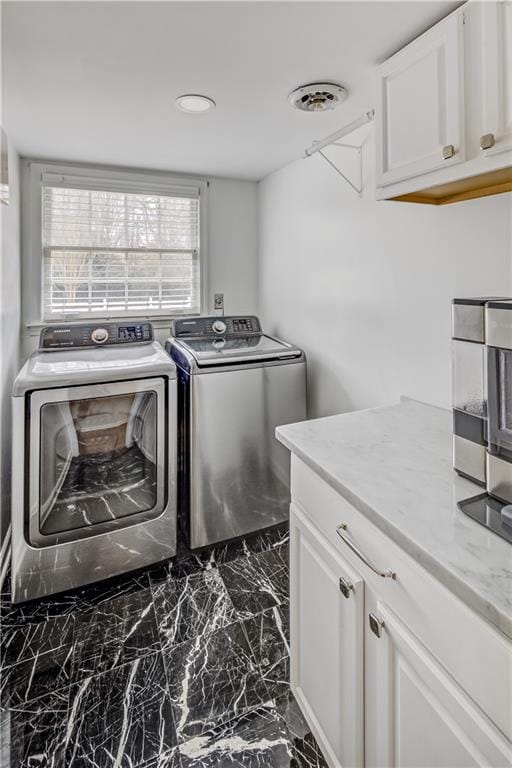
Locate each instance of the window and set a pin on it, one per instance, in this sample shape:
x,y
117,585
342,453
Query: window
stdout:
x,y
112,248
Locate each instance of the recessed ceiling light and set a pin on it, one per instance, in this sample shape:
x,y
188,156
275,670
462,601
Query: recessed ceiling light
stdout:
x,y
194,103
318,97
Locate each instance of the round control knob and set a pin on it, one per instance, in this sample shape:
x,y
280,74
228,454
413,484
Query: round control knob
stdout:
x,y
219,326
99,335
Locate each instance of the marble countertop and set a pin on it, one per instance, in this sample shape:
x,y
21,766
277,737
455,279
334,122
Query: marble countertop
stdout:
x,y
394,464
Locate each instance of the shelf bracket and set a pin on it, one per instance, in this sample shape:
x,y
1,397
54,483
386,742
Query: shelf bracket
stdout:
x,y
359,189
332,141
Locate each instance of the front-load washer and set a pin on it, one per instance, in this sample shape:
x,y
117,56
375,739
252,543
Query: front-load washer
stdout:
x,y
235,385
94,457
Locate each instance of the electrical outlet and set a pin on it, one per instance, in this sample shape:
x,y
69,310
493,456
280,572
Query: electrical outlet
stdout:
x,y
218,302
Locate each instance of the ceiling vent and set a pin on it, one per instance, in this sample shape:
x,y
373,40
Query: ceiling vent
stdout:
x,y
318,97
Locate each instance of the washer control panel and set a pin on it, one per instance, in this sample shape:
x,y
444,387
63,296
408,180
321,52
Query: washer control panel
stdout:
x,y
246,325
100,335
219,326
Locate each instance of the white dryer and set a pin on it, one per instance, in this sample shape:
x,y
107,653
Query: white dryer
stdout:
x,y
94,457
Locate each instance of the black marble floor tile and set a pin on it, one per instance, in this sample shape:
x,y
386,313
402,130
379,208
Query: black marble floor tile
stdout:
x,y
15,615
268,636
212,678
19,615
191,564
125,585
188,607
305,752
93,657
183,665
121,718
169,759
257,739
115,632
187,562
258,582
29,640
5,738
33,734
35,677
254,544
289,710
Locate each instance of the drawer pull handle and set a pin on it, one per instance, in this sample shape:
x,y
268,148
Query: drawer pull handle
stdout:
x,y
385,574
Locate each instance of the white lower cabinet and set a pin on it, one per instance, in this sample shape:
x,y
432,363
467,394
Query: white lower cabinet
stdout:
x,y
327,645
417,716
372,690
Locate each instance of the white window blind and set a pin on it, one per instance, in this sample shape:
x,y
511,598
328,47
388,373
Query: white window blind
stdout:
x,y
109,253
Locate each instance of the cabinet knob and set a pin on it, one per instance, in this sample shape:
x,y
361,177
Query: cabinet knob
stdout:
x,y
487,141
345,587
376,624
448,151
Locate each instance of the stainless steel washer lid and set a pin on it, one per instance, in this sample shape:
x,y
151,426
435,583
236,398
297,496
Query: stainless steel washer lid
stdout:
x,y
71,367
207,352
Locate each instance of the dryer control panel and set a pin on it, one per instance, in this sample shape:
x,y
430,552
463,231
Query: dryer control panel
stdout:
x,y
95,335
229,325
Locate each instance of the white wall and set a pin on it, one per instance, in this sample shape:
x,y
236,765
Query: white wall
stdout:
x,y
232,247
365,287
9,328
233,244
232,250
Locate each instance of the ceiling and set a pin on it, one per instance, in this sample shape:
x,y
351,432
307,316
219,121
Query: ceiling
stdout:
x,y
96,81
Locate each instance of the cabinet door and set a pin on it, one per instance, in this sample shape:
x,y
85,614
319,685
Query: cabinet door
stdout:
x,y
497,79
327,612
416,714
420,105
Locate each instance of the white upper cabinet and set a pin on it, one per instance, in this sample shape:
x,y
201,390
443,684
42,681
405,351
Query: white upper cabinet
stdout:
x,y
444,110
420,105
496,134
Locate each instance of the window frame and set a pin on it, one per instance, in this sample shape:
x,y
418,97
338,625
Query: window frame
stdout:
x,y
32,266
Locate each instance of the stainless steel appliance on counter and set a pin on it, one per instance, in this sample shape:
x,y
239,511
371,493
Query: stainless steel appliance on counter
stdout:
x,y
469,396
235,385
498,339
94,490
482,407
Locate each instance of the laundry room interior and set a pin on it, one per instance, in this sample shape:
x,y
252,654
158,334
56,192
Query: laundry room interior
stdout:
x,y
256,384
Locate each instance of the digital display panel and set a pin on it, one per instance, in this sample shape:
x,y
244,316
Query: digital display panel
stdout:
x,y
130,332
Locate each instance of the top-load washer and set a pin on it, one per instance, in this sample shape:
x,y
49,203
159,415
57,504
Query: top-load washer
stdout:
x,y
94,478
235,385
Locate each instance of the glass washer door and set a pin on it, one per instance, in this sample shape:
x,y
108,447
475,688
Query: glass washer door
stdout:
x,y
96,459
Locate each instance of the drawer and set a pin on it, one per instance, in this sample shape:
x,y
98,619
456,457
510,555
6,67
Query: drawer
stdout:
x,y
476,654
